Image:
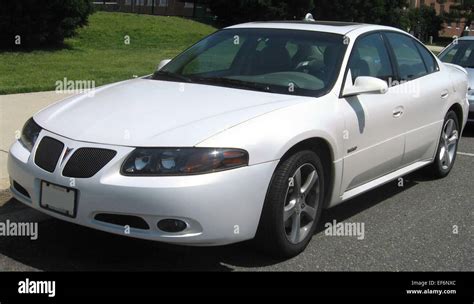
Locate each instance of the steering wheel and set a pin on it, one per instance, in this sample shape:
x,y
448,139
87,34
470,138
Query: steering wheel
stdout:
x,y
303,66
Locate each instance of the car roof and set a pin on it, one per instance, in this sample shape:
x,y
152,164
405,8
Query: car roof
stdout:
x,y
335,27
466,38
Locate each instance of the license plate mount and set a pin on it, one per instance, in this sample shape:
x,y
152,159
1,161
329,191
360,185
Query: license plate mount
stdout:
x,y
59,199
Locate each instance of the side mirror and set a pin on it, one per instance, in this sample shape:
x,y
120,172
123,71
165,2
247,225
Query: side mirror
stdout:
x,y
364,85
162,64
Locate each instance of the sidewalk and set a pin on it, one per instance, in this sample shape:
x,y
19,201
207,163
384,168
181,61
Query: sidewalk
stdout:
x,y
14,111
435,49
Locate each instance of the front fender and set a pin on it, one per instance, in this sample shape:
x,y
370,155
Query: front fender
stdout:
x,y
269,137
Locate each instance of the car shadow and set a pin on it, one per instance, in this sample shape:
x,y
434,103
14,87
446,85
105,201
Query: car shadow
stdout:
x,y
63,246
29,49
469,130
368,200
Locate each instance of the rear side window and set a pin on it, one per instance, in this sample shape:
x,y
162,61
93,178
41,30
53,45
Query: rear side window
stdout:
x,y
408,58
430,62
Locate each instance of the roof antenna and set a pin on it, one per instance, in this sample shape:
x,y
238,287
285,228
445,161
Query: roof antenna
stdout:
x,y
309,18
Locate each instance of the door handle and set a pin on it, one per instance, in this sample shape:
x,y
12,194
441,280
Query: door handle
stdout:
x,y
398,112
445,94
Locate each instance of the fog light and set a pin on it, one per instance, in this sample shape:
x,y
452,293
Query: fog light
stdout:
x,y
172,226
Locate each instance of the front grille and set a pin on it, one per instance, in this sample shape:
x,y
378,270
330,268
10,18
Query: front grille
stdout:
x,y
86,162
48,153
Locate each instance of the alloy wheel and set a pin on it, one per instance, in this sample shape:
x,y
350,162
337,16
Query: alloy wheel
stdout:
x,y
449,141
301,203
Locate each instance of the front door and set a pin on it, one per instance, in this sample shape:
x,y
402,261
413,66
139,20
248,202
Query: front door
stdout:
x,y
374,137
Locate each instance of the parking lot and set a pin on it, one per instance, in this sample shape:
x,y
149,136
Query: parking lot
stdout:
x,y
426,225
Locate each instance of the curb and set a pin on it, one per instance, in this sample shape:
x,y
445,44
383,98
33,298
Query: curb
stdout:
x,y
4,184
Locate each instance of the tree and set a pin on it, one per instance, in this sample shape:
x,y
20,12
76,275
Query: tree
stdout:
x,y
238,11
233,12
363,11
295,9
392,13
424,22
33,23
395,13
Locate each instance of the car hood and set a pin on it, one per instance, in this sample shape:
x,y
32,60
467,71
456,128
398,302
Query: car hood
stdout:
x,y
146,113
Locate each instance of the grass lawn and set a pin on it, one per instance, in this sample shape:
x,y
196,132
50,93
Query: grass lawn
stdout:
x,y
98,52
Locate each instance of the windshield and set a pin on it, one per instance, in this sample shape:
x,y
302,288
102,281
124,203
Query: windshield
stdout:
x,y
290,62
460,53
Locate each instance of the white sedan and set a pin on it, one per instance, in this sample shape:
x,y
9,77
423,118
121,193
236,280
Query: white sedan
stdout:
x,y
248,134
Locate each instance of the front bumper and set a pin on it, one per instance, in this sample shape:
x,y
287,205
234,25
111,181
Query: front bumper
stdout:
x,y
219,208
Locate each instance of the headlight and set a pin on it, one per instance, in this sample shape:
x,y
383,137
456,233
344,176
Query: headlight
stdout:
x,y
182,161
30,134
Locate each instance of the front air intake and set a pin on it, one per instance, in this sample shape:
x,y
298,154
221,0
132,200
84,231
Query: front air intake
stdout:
x,y
123,220
21,189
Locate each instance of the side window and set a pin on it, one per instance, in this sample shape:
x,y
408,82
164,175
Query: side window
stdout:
x,y
370,58
408,58
428,58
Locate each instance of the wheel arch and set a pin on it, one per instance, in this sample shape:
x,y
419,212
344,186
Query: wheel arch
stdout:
x,y
457,109
325,151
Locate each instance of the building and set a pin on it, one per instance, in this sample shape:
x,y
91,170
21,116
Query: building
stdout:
x,y
442,7
156,7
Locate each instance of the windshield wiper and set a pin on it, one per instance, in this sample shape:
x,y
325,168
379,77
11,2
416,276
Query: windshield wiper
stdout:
x,y
234,83
171,75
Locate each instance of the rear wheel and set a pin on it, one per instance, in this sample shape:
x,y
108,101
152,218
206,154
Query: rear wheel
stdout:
x,y
293,205
448,147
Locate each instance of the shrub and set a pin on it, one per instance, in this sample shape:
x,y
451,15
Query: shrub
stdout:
x,y
39,23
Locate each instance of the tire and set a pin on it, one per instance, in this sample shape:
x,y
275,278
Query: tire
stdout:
x,y
281,238
449,139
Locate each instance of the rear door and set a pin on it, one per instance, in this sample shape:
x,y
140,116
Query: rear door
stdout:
x,y
426,94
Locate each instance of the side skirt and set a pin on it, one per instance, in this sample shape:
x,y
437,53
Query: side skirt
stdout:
x,y
383,180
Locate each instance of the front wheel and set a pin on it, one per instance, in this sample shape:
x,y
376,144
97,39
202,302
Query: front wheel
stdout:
x,y
293,205
448,147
